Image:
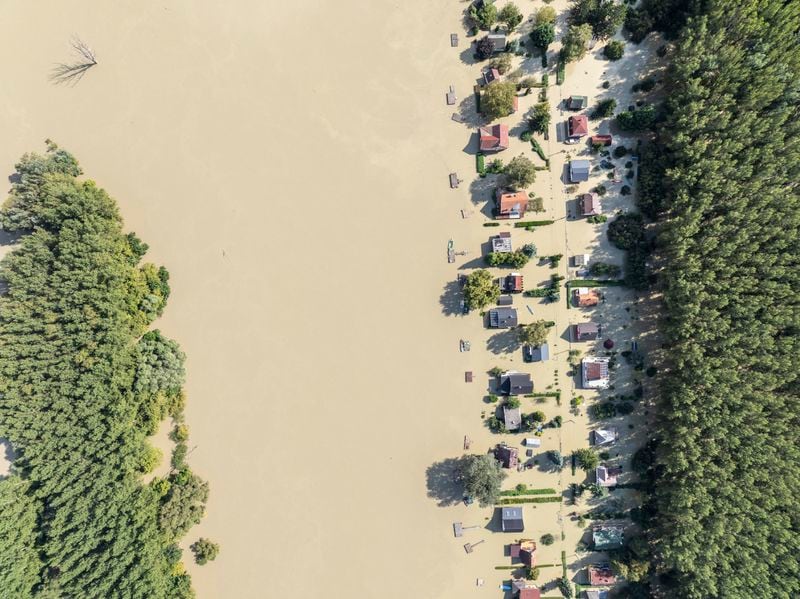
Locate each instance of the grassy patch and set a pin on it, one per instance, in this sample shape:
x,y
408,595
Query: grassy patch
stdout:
x,y
515,493
524,224
515,500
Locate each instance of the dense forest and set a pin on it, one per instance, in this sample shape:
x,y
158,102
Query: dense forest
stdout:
x,y
721,182
82,385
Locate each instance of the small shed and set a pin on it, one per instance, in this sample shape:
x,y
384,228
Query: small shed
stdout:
x,y
607,476
512,418
541,353
505,300
498,40
511,519
533,442
604,436
577,102
491,75
580,260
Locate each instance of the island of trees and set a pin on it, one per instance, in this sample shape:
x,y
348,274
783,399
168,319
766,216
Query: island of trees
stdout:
x,y
82,385
719,182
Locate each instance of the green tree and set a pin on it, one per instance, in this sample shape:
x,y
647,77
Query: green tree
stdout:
x,y
637,120
543,35
480,289
498,99
604,16
484,49
575,42
534,333
483,14
539,117
204,551
483,477
520,172
510,15
547,539
546,14
502,63
587,459
614,50
604,109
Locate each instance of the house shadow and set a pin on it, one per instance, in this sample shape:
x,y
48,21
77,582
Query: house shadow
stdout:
x,y
442,481
505,341
450,299
468,111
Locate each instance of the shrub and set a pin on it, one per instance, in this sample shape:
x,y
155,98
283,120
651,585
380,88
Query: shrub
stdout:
x,y
624,408
484,15
484,49
625,190
638,23
606,84
565,587
204,551
637,120
539,117
532,573
543,35
602,269
587,459
529,250
525,136
502,63
614,50
626,231
600,190
651,372
546,14
604,109
575,42
510,15
537,416
547,539
629,164
512,402
620,151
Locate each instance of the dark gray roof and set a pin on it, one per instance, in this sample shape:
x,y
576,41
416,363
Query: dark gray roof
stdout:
x,y
541,353
516,383
502,318
511,519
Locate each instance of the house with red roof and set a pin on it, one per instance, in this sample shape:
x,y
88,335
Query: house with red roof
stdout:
x,y
510,204
601,576
493,138
589,204
524,589
577,126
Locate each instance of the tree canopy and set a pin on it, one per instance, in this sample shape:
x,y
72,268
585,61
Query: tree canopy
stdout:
x,y
480,289
520,172
510,15
534,333
576,42
604,16
482,476
79,394
483,14
497,100
723,186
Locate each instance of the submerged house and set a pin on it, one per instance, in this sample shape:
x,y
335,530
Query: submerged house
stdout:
x,y
607,476
511,283
540,353
580,260
595,594
522,588
589,205
604,436
594,372
606,537
493,138
584,297
507,456
502,318
511,519
491,75
578,170
601,576
510,204
525,551
499,41
577,126
577,102
515,383
585,331
501,244
512,418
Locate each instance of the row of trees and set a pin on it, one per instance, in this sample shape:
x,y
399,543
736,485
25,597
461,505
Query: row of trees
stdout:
x,y
722,178
82,384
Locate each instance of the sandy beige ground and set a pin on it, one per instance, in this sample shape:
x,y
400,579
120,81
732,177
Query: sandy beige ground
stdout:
x,y
288,163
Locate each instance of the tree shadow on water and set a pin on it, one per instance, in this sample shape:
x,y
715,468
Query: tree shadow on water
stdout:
x,y
442,481
450,299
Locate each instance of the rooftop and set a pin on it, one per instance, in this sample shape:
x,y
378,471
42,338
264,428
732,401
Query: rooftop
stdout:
x,y
493,138
515,383
502,318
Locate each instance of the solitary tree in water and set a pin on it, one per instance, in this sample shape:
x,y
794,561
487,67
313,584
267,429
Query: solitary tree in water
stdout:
x,y
73,72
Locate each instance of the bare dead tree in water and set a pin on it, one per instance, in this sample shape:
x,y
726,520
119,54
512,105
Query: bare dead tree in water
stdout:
x,y
73,72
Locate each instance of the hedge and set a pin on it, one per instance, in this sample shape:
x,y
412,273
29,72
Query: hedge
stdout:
x,y
524,224
538,149
479,164
515,493
514,500
561,72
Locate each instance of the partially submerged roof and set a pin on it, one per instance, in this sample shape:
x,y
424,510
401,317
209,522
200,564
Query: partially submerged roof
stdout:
x,y
607,475
578,126
502,243
515,383
579,170
498,40
493,138
577,102
511,519
541,353
601,575
507,456
589,204
512,417
512,283
490,75
596,594
511,204
604,436
594,372
585,297
607,537
586,331
502,318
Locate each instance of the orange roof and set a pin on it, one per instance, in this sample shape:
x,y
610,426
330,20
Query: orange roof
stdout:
x,y
493,138
530,594
590,298
511,201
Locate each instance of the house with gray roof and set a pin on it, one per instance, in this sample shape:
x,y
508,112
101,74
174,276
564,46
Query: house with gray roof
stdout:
x,y
512,418
511,519
515,383
579,170
502,318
